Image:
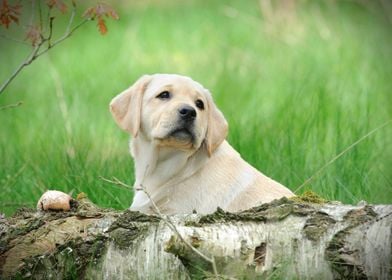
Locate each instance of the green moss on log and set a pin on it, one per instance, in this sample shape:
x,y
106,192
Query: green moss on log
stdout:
x,y
309,197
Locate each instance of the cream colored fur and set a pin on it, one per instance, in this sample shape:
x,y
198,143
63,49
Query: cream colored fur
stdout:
x,y
181,173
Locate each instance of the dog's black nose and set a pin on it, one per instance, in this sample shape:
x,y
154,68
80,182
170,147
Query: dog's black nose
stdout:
x,y
187,113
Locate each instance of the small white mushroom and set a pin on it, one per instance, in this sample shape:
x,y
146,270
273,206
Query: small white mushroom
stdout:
x,y
54,200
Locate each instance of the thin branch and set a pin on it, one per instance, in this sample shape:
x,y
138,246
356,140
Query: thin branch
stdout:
x,y
47,18
113,197
36,51
116,181
50,31
318,172
166,220
11,105
114,186
65,36
26,62
71,19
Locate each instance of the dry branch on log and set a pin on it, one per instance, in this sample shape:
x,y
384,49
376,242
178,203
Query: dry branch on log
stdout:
x,y
283,239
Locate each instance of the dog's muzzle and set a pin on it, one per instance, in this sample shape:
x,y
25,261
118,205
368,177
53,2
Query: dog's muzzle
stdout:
x,y
184,129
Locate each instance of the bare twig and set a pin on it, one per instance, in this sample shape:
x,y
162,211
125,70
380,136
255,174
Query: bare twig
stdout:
x,y
68,32
17,104
32,56
47,18
166,219
65,36
113,196
50,31
318,172
71,19
116,182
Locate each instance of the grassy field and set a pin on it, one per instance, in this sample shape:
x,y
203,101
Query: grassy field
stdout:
x,y
296,86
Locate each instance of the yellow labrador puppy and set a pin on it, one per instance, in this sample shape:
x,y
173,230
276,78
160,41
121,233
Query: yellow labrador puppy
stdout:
x,y
181,157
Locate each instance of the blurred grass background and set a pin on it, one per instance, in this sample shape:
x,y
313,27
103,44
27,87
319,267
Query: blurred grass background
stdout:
x,y
298,82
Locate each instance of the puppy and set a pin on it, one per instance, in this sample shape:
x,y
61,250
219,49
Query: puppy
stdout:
x,y
182,161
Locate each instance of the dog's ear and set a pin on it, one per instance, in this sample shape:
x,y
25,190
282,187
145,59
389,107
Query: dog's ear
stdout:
x,y
217,126
126,107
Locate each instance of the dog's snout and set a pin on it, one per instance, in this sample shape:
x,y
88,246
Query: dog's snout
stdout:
x,y
187,113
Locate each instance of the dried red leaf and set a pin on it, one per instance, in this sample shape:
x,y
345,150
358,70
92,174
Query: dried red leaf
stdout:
x,y
98,13
9,13
33,35
100,10
59,4
102,26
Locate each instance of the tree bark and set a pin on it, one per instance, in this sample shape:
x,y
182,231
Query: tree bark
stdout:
x,y
283,239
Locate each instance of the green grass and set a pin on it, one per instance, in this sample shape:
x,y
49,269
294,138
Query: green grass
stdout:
x,y
295,91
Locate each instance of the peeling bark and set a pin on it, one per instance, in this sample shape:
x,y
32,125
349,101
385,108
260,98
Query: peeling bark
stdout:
x,y
283,239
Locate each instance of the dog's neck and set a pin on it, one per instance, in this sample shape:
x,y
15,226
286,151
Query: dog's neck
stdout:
x,y
157,167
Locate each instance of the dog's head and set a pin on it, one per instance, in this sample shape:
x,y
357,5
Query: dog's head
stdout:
x,y
172,110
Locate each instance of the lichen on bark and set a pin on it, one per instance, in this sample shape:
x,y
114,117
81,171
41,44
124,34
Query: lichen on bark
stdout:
x,y
345,261
129,226
70,260
274,211
317,225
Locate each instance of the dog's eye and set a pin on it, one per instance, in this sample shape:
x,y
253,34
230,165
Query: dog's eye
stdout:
x,y
164,95
200,104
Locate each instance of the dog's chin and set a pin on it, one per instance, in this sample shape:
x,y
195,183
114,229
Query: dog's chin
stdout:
x,y
181,138
182,135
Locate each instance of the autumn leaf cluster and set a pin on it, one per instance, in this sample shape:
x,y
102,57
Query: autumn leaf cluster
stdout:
x,y
98,13
11,13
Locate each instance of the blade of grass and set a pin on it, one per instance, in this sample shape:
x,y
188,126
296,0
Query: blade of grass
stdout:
x,y
318,172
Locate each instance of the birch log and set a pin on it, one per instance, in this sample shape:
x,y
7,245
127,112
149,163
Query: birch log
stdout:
x,y
282,240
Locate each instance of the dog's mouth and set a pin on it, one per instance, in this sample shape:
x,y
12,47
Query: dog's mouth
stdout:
x,y
182,134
